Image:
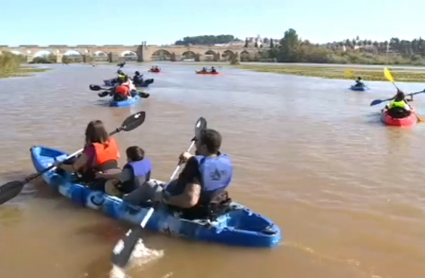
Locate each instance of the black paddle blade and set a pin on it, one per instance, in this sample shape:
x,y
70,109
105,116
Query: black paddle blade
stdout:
x,y
200,125
375,102
133,121
143,94
10,190
124,248
95,87
103,94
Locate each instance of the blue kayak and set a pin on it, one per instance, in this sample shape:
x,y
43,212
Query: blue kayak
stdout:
x,y
240,226
357,88
125,103
113,83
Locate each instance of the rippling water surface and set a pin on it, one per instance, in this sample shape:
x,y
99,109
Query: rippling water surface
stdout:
x,y
311,155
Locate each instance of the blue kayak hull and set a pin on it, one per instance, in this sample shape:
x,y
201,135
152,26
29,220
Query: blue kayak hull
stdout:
x,y
125,103
354,88
240,226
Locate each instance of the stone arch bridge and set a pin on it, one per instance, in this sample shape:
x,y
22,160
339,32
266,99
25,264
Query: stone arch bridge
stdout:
x,y
141,53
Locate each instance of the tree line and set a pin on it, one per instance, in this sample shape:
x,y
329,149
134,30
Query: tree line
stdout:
x,y
207,40
291,48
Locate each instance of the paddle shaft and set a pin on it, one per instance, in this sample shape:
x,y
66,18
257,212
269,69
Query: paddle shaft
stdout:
x,y
124,248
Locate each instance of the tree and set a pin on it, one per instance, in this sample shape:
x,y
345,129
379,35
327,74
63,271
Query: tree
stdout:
x,y
246,43
256,44
271,43
289,45
206,40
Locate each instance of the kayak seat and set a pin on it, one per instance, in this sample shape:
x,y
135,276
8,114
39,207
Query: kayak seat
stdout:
x,y
399,112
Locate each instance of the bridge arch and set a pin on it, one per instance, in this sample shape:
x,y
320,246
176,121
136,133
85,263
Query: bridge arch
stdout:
x,y
210,52
43,53
161,55
227,54
16,52
129,55
245,56
188,55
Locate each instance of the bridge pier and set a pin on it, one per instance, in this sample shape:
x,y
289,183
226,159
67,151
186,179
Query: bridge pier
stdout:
x,y
59,58
30,58
113,57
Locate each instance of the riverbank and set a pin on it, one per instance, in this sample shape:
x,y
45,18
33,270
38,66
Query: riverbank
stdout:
x,y
20,72
338,72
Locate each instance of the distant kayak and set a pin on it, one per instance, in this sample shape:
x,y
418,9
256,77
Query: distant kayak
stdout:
x,y
154,71
207,72
125,103
357,88
406,121
238,226
113,83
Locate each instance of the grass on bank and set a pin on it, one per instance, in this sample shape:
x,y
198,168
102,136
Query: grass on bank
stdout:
x,y
10,66
371,74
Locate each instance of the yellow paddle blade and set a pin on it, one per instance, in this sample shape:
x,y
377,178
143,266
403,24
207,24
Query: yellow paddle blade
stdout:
x,y
388,75
349,73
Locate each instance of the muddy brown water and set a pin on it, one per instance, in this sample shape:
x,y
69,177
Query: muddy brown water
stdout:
x,y
347,192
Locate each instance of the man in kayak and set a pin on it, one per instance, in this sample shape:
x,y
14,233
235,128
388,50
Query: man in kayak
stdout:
x,y
359,82
201,188
399,107
138,78
134,174
213,69
101,153
204,69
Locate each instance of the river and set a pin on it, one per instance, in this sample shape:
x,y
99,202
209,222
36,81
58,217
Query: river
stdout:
x,y
311,155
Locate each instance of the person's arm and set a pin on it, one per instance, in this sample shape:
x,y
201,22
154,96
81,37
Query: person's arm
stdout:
x,y
77,165
188,198
192,191
112,175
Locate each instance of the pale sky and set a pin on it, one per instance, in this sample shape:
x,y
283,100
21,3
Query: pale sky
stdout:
x,y
103,22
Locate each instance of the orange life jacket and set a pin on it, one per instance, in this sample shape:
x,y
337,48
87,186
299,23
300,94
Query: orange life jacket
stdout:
x,y
122,90
106,152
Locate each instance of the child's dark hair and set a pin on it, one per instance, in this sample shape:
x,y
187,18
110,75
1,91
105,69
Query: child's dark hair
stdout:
x,y
134,153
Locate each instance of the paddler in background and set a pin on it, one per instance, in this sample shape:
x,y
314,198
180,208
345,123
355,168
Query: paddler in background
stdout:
x,y
359,82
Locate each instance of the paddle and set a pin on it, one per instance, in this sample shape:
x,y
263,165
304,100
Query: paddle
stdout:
x,y
97,88
124,248
378,101
389,77
13,188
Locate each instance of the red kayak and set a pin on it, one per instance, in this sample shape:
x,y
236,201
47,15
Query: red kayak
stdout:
x,y
154,71
407,121
207,72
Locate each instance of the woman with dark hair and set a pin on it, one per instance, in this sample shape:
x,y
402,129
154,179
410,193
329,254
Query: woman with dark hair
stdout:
x,y
101,153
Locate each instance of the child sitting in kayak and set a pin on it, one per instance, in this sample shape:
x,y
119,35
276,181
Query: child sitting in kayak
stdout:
x,y
399,107
135,173
359,82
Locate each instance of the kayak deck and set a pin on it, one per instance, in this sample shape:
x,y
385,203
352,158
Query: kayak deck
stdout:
x,y
124,103
207,72
240,226
357,88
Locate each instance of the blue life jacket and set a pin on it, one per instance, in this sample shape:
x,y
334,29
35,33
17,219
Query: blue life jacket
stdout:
x,y
216,172
141,171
